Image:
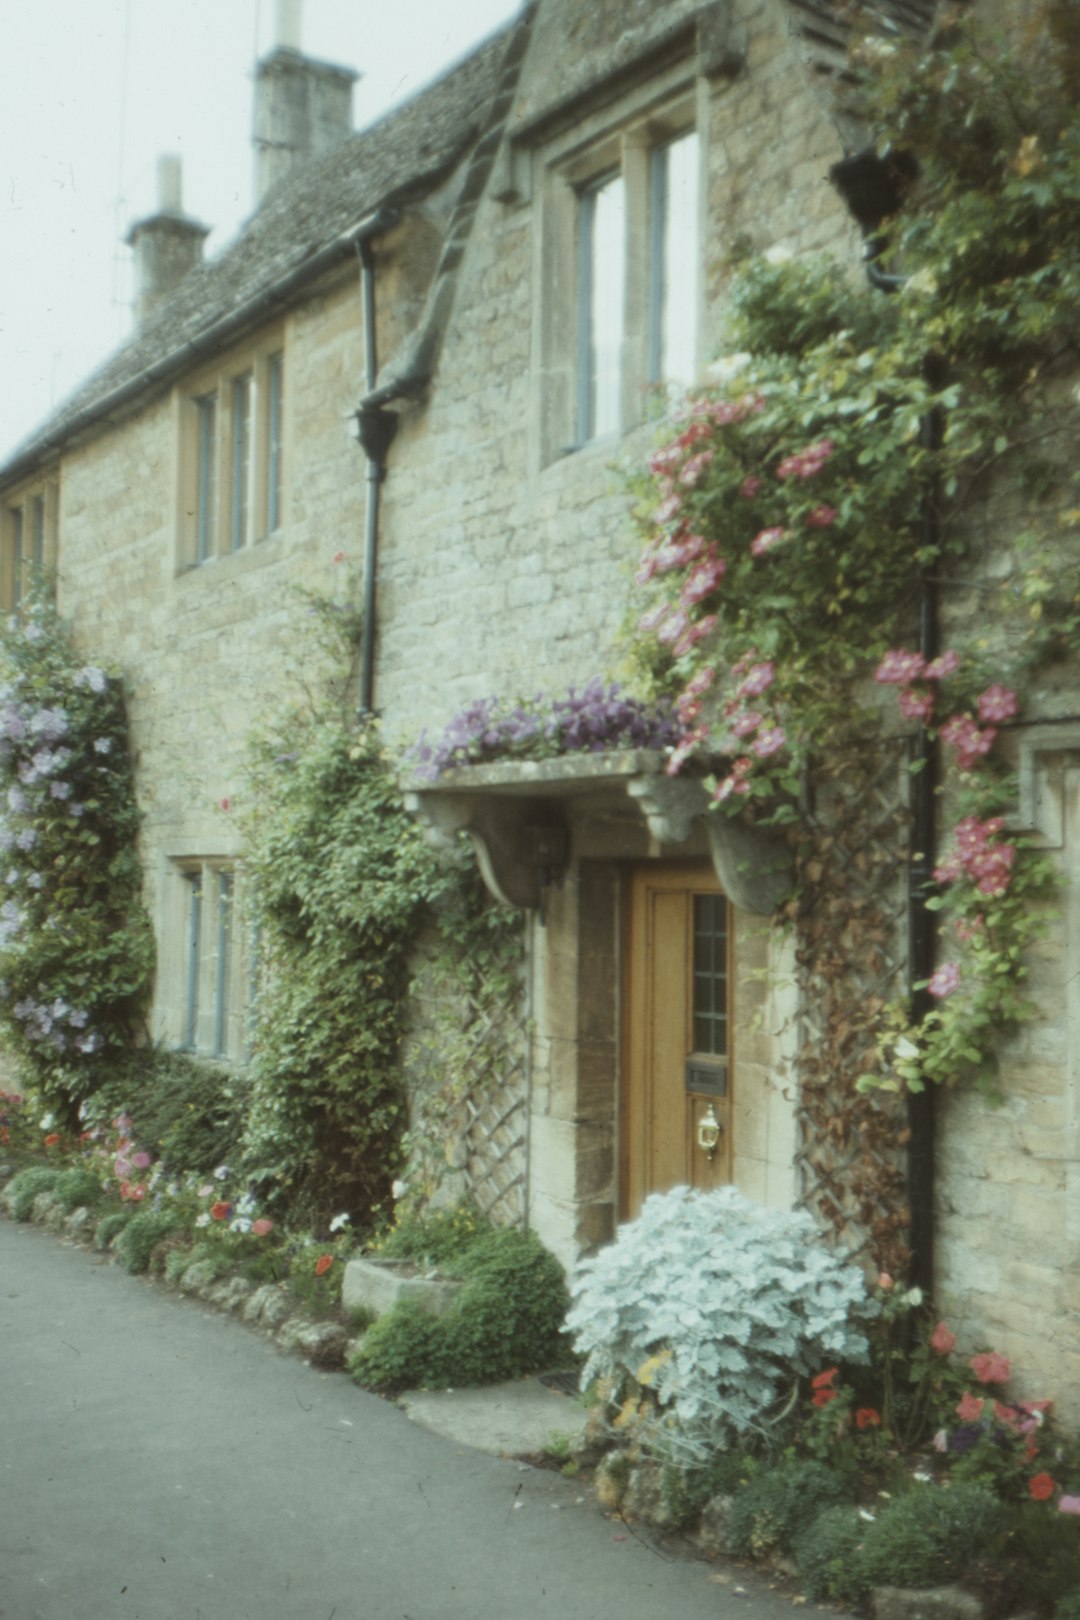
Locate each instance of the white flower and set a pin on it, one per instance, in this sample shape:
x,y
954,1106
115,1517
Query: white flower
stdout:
x,y
221,1173
778,254
915,1296
203,1219
340,1222
728,367
399,1188
240,1224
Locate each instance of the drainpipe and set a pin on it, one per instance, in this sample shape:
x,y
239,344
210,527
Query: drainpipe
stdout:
x,y
872,187
376,428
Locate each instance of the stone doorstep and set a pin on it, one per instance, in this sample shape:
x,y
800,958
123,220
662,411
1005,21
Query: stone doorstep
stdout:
x,y
378,1285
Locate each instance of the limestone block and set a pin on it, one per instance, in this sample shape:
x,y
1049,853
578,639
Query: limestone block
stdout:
x,y
231,1294
377,1286
268,1306
935,1603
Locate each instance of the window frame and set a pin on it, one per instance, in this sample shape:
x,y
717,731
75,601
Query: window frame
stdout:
x,y
629,139
233,460
28,541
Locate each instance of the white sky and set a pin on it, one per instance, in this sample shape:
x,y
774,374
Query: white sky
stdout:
x,y
95,90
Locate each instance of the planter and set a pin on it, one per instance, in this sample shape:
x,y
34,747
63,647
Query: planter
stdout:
x,y
378,1285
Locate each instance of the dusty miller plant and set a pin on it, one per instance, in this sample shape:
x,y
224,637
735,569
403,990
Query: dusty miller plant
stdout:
x,y
711,1304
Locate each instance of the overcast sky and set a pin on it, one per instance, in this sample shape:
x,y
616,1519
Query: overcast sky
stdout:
x,y
95,90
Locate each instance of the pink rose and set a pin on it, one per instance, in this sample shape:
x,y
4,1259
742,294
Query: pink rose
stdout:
x,y
969,1408
942,1340
990,1367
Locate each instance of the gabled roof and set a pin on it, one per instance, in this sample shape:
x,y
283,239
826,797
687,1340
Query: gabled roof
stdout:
x,y
302,226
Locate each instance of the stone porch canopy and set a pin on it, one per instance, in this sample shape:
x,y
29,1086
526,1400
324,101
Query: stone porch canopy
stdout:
x,y
523,818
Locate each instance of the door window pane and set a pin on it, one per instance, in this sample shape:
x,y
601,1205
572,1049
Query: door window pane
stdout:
x,y
710,998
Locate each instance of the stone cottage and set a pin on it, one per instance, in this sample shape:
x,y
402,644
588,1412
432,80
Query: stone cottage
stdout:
x,y
426,351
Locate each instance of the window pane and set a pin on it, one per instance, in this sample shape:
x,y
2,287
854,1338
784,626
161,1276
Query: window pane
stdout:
x,y
675,250
221,976
241,461
16,555
37,516
194,954
710,974
205,491
275,380
601,307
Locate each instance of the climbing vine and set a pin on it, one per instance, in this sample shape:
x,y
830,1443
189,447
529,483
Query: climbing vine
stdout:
x,y
76,949
852,460
342,887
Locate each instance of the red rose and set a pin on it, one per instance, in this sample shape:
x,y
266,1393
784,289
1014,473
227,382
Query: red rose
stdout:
x,y
1042,1487
52,1139
220,1211
867,1418
822,1380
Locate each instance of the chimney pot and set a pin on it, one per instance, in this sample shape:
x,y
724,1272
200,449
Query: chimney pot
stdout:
x,y
289,13
167,244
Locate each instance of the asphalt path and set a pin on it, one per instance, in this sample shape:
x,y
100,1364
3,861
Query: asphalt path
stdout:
x,y
160,1461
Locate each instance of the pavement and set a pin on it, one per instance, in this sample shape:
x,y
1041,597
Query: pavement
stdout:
x,y
519,1419
161,1461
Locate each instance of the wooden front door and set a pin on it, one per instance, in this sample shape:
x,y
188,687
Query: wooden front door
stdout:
x,y
676,1033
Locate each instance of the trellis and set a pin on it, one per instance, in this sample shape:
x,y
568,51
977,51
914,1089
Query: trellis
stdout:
x,y
849,920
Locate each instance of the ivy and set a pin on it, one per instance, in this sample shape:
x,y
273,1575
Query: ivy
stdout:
x,y
76,949
343,886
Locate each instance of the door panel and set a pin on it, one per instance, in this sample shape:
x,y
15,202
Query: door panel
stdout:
x,y
676,1031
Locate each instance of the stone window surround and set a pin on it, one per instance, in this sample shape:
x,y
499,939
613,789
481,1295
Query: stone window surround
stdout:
x,y
619,138
267,457
28,538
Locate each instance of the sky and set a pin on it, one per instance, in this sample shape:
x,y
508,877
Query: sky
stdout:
x,y
95,90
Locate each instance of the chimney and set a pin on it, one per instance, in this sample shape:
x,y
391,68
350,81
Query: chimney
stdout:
x,y
167,245
302,107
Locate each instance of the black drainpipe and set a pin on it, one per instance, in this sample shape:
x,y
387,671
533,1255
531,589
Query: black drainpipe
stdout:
x,y
872,187
375,430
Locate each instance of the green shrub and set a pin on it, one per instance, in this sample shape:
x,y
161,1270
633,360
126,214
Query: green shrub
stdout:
x,y
779,1503
508,1318
505,1321
110,1225
143,1232
77,1188
188,1114
25,1187
931,1535
828,1554
1068,1608
402,1350
685,1491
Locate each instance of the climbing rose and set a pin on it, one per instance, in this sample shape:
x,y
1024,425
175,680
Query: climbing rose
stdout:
x,y
759,680
763,542
1041,1487
942,1340
916,705
821,517
944,981
899,668
969,1408
997,703
991,1368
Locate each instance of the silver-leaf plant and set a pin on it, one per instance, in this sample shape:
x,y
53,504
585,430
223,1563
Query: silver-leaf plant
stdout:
x,y
716,1305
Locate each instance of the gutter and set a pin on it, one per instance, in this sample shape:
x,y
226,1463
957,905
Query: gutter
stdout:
x,y
210,339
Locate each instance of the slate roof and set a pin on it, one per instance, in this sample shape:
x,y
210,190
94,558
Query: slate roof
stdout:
x,y
399,159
